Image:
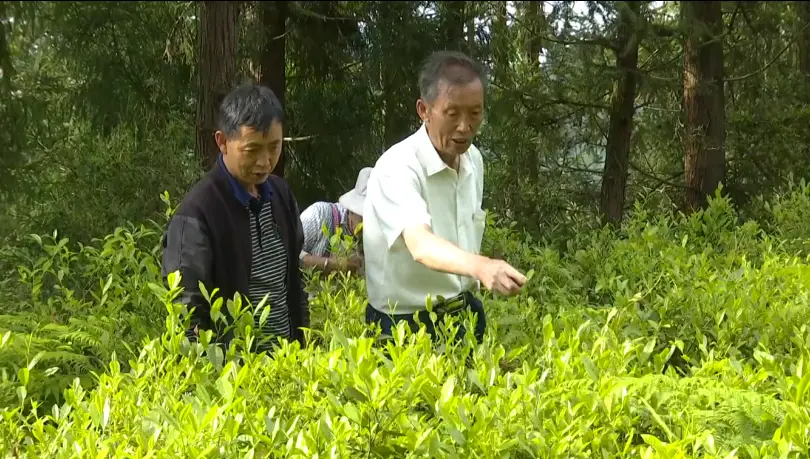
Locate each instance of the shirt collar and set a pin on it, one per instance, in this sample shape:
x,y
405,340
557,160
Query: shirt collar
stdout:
x,y
239,191
430,159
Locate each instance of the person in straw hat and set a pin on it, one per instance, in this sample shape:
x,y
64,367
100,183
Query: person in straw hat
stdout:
x,y
346,214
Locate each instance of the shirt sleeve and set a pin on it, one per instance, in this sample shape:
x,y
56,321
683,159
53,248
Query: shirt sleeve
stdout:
x,y
186,248
396,199
300,240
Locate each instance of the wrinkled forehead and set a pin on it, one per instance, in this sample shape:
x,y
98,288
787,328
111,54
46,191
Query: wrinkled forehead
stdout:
x,y
272,135
468,95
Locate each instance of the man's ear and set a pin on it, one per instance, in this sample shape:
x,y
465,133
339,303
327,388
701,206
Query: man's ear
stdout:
x,y
221,140
422,109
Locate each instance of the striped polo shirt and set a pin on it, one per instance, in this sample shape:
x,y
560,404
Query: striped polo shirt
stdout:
x,y
268,275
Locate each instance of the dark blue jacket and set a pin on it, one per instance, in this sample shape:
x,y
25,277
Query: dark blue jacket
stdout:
x,y
208,240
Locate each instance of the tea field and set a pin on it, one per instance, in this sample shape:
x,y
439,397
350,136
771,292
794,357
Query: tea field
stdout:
x,y
673,337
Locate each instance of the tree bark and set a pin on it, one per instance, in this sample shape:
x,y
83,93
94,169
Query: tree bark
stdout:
x,y
501,44
6,65
218,28
11,110
803,12
703,101
534,23
622,109
395,119
471,31
272,60
452,18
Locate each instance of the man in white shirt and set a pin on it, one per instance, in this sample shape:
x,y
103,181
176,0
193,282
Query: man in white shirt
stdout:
x,y
423,221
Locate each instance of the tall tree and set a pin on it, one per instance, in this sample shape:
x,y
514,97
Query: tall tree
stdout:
x,y
6,67
501,43
391,19
272,63
218,34
622,109
533,25
452,19
703,101
12,111
803,10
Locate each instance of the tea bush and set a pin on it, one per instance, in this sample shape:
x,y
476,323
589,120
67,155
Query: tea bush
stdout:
x,y
672,337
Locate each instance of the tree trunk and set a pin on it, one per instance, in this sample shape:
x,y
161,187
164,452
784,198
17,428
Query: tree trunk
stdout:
x,y
396,118
218,28
471,31
6,65
11,109
501,44
622,109
703,101
272,61
388,14
533,27
452,18
803,12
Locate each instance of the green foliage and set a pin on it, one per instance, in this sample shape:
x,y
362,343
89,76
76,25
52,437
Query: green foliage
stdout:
x,y
669,337
786,214
103,93
103,115
66,312
673,336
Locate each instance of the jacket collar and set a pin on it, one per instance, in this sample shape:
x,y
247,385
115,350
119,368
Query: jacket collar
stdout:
x,y
239,191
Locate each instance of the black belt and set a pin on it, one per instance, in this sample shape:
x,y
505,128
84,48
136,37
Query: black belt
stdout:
x,y
451,305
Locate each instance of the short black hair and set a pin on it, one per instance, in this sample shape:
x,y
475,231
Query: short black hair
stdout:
x,y
251,105
453,67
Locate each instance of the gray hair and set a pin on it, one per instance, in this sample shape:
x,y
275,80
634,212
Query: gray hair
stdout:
x,y
249,105
453,67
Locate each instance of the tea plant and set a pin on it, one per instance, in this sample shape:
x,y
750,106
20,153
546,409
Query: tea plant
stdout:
x,y
69,311
670,337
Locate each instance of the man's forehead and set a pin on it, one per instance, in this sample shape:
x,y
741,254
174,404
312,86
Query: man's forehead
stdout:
x,y
468,94
256,135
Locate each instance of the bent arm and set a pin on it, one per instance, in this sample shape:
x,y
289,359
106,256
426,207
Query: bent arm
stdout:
x,y
186,248
396,199
440,254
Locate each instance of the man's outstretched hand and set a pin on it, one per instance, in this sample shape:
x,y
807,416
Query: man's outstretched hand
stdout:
x,y
499,276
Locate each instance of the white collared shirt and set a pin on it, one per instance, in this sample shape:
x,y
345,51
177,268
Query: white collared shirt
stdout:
x,y
411,185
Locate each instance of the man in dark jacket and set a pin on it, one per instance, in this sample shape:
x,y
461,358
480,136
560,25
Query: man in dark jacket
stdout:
x,y
239,228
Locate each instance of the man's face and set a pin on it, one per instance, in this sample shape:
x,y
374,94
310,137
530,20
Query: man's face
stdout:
x,y
251,155
454,117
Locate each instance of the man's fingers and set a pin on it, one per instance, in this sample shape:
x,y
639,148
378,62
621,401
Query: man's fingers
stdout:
x,y
496,285
487,283
506,280
514,288
507,286
516,276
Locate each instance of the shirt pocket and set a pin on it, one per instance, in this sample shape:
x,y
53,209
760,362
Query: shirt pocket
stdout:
x,y
479,222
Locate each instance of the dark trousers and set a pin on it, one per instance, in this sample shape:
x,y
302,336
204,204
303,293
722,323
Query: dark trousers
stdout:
x,y
387,322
